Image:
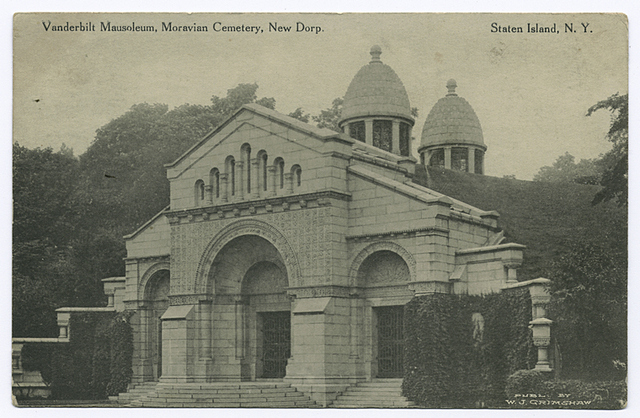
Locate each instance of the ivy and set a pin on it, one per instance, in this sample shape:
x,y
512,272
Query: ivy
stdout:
x,y
459,350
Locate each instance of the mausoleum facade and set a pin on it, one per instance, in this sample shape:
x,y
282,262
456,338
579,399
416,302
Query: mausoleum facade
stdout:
x,y
288,251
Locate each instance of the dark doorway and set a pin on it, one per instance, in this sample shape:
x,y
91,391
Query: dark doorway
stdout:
x,y
390,341
276,343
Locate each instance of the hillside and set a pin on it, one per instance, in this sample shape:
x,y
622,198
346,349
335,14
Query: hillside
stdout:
x,y
549,218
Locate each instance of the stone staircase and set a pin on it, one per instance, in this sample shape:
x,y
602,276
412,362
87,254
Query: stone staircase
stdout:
x,y
215,395
381,393
134,392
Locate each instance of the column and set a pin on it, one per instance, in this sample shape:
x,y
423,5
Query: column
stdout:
x,y
209,191
255,187
395,137
240,180
368,131
447,158
288,180
347,130
272,190
224,179
472,160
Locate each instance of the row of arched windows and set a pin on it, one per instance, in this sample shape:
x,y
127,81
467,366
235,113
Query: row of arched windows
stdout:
x,y
247,178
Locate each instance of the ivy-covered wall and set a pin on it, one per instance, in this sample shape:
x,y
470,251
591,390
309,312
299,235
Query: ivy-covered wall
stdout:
x,y
95,363
460,349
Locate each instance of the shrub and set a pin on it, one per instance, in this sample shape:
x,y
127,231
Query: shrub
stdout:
x,y
459,350
525,382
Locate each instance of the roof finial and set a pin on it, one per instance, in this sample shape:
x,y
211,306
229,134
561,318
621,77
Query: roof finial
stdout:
x,y
376,51
451,86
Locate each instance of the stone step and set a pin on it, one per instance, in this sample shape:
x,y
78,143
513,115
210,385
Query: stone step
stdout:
x,y
219,395
376,394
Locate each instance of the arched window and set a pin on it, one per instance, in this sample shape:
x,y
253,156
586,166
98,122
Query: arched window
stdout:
x,y
230,167
214,180
246,158
297,175
263,161
199,193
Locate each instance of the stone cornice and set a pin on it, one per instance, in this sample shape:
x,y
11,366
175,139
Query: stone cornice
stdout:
x,y
406,233
161,257
253,207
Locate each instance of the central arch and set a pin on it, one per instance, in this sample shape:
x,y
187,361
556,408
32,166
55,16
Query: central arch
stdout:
x,y
252,331
238,229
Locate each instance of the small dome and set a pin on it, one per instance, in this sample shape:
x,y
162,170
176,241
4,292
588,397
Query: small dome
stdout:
x,y
452,121
376,90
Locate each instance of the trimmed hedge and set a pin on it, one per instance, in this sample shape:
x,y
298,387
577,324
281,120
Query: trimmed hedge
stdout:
x,y
95,363
455,358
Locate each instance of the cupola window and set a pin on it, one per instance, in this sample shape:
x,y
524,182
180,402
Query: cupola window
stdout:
x,y
356,131
382,134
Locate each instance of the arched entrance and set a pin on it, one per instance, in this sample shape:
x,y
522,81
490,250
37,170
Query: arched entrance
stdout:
x,y
157,302
250,283
379,272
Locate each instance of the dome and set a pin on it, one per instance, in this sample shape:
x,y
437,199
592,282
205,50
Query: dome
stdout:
x,y
452,121
376,90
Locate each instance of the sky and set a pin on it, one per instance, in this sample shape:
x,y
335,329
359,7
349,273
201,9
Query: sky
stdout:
x,y
531,91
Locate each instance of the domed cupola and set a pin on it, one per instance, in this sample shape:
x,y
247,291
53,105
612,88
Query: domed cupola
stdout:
x,y
452,135
376,108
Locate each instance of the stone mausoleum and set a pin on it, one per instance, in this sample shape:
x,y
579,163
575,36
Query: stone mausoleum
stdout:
x,y
288,251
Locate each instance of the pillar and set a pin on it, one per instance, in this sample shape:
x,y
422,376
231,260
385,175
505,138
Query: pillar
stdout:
x,y
395,137
447,158
347,130
272,190
224,179
240,180
288,180
368,131
472,160
255,187
209,191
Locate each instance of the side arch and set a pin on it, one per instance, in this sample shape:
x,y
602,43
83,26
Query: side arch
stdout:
x,y
235,230
143,287
381,246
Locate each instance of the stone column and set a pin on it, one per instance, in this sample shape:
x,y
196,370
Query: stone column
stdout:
x,y
472,160
224,179
209,190
288,180
272,190
240,180
368,131
395,137
255,187
347,130
447,158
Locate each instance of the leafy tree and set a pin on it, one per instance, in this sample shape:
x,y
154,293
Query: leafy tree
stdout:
x,y
565,170
45,219
300,115
329,118
614,179
589,306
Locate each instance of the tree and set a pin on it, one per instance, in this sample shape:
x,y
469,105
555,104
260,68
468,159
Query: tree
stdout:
x,y
614,179
565,170
300,115
589,307
329,118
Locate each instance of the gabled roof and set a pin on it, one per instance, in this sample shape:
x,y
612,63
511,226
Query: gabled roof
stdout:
x,y
146,224
323,134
